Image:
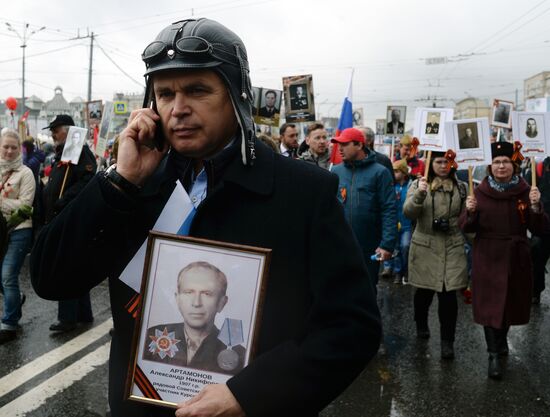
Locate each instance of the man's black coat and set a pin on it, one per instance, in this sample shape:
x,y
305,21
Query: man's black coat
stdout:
x,y
320,324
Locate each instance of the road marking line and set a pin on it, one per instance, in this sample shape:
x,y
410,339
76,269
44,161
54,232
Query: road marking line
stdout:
x,y
37,396
25,373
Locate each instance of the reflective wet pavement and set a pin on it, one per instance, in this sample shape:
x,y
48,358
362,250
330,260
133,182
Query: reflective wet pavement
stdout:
x,y
408,378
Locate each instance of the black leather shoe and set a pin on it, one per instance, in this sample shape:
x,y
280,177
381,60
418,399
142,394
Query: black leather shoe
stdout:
x,y
7,335
495,369
62,326
447,350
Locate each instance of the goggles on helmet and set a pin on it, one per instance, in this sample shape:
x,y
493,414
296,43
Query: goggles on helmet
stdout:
x,y
193,47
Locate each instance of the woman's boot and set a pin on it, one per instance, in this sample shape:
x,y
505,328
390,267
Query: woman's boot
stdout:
x,y
492,339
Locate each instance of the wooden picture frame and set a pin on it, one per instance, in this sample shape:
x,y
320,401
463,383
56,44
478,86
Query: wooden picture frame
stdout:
x,y
198,318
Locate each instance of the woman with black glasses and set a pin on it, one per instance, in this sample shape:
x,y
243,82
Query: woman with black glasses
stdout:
x,y
500,212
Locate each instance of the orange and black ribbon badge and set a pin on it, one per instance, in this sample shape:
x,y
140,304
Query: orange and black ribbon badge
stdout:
x,y
145,385
133,305
522,206
414,147
343,194
450,156
517,156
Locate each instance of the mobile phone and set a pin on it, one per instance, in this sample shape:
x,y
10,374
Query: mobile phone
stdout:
x,y
158,139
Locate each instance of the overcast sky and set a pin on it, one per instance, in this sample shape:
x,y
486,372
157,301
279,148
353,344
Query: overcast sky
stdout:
x,y
491,45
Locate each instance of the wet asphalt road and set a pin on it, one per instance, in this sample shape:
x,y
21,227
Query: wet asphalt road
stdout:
x,y
407,378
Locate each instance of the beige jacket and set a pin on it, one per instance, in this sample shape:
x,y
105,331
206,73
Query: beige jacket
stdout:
x,y
18,190
436,259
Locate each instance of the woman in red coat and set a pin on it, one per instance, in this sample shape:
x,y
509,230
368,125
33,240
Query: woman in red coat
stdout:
x,y
500,212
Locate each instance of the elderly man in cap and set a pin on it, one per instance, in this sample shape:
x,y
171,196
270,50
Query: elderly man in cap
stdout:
x,y
366,191
65,182
319,326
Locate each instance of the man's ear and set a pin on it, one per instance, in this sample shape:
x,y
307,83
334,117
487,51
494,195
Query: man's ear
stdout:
x,y
221,303
307,140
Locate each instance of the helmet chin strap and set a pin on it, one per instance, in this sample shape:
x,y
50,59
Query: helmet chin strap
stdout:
x,y
244,153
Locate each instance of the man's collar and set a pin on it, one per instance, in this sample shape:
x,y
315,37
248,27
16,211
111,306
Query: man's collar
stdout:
x,y
257,178
227,166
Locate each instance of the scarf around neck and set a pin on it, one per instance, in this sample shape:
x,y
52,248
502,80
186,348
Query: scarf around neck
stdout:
x,y
445,184
503,186
8,166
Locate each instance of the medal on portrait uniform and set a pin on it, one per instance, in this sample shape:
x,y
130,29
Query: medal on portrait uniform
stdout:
x,y
163,343
231,334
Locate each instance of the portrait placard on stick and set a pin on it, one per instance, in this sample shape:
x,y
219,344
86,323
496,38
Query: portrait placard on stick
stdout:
x,y
395,116
76,137
267,108
429,125
298,92
104,127
470,139
380,127
199,316
501,113
533,131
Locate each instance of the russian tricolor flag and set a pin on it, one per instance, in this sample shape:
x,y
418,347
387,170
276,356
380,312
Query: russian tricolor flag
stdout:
x,y
346,120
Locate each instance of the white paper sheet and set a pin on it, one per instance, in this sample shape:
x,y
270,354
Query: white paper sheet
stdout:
x,y
170,220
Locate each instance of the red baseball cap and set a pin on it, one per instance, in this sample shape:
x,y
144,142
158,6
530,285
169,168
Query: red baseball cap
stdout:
x,y
350,134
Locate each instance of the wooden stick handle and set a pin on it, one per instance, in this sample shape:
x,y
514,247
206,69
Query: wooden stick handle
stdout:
x,y
428,162
533,172
64,180
470,181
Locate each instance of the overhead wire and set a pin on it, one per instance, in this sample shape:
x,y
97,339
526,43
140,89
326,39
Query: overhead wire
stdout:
x,y
119,67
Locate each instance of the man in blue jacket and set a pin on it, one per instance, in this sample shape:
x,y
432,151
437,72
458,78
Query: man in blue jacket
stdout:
x,y
366,191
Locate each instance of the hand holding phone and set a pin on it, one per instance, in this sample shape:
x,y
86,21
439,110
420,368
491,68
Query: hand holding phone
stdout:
x,y
138,154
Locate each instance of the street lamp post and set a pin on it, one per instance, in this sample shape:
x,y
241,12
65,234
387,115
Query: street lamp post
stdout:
x,y
23,39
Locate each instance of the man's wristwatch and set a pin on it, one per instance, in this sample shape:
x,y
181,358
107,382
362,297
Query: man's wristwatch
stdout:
x,y
115,178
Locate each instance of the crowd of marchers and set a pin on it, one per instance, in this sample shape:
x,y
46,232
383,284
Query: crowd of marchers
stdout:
x,y
320,324
422,230
425,228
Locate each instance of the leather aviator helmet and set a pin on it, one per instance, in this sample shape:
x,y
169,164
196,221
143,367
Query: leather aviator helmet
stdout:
x,y
206,44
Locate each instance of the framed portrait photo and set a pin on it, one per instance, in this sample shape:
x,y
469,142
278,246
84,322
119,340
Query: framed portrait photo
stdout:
x,y
76,137
199,316
429,127
269,106
501,113
298,93
470,139
533,131
395,116
256,93
94,112
380,127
